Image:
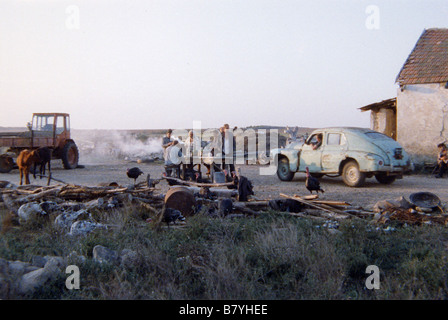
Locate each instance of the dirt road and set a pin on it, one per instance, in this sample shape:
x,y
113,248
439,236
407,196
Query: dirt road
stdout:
x,y
265,186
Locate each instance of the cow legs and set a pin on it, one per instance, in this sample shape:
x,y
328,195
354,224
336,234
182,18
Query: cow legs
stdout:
x,y
27,176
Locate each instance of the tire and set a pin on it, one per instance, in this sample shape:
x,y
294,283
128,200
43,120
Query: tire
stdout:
x,y
263,159
283,171
352,176
6,164
385,179
70,155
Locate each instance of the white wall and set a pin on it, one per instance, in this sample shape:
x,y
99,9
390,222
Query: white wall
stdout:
x,y
422,119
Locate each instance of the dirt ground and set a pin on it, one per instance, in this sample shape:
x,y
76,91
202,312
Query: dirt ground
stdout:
x,y
265,186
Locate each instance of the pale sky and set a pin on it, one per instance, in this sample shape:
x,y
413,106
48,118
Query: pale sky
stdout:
x,y
146,64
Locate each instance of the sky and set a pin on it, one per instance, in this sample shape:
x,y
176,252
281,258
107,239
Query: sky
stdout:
x,y
156,64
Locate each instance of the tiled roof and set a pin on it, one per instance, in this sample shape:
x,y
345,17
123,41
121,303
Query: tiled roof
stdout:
x,y
428,61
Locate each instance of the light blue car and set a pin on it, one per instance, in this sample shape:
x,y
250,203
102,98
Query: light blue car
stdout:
x,y
353,153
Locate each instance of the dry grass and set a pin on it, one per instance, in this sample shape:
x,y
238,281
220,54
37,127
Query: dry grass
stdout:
x,y
273,256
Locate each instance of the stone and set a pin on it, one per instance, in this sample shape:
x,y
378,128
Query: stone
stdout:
x,y
50,207
74,258
30,211
35,279
104,255
66,219
129,258
83,227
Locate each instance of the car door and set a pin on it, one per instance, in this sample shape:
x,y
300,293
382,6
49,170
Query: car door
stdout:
x,y
333,152
310,157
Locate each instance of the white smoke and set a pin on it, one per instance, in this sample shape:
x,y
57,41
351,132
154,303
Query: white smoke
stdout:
x,y
107,146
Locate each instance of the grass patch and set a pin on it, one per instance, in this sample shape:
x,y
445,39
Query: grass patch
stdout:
x,y
272,256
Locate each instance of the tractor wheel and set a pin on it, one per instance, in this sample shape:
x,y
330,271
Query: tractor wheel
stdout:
x,y
6,164
70,155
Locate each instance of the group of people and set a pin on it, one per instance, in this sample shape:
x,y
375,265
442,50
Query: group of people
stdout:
x,y
192,145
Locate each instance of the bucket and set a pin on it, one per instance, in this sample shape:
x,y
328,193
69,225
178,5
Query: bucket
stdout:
x,y
219,177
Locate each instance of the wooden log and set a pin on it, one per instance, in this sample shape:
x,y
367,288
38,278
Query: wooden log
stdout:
x,y
332,203
199,184
333,213
307,216
38,196
243,208
146,205
226,193
308,197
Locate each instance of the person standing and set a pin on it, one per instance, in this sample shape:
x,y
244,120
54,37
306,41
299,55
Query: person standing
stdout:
x,y
229,148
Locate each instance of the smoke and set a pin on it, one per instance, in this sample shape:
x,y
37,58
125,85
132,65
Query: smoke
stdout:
x,y
106,146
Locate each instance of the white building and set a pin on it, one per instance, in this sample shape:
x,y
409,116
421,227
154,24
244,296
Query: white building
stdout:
x,y
418,117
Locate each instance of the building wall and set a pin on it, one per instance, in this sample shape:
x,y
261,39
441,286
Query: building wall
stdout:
x,y
422,120
383,120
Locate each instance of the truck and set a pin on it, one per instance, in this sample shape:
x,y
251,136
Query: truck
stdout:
x,y
45,130
351,152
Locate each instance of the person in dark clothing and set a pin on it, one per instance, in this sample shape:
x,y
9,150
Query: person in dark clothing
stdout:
x,y
229,148
167,140
442,160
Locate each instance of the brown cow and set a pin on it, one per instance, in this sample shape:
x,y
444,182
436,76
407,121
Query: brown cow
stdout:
x,y
45,155
25,161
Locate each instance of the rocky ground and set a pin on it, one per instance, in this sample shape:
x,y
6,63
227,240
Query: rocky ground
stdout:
x,y
265,186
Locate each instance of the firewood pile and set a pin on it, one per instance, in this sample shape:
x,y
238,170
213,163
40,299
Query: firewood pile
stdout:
x,y
314,208
411,212
412,217
15,196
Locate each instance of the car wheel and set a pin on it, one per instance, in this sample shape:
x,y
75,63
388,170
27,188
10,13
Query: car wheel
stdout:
x,y
352,176
385,179
283,171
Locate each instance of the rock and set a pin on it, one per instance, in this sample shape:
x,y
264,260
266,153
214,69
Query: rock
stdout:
x,y
50,207
72,206
83,227
17,268
4,266
104,255
98,203
33,280
112,203
74,258
4,287
30,211
65,220
38,261
392,203
129,258
59,261
7,185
